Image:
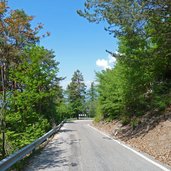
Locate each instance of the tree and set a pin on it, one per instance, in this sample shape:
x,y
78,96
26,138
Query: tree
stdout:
x,y
33,103
16,33
143,66
144,24
76,94
92,100
29,86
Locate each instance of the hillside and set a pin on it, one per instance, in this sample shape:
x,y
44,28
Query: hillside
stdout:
x,y
152,135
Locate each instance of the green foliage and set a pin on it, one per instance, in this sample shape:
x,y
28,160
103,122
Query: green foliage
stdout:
x,y
99,116
125,119
30,94
161,95
134,122
140,80
63,111
76,94
33,102
91,101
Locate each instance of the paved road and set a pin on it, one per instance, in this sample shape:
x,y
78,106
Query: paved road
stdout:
x,y
78,147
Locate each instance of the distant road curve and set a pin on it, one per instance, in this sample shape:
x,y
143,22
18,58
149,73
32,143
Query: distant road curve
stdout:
x,y
79,147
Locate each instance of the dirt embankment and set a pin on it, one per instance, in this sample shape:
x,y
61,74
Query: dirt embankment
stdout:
x,y
152,135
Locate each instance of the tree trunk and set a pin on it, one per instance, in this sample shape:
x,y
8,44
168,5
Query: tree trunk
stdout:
x,y
3,78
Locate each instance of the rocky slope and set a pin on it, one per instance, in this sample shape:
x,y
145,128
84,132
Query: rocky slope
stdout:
x,y
152,135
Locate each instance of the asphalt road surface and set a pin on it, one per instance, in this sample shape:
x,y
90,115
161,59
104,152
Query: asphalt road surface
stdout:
x,y
79,147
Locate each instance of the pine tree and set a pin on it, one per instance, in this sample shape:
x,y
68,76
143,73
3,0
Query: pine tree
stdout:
x,y
92,100
76,94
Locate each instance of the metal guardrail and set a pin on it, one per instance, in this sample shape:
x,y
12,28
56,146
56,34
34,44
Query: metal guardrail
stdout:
x,y
17,156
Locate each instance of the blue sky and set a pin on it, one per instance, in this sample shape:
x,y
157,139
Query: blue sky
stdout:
x,y
77,43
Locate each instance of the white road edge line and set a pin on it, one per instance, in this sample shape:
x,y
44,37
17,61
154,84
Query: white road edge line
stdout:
x,y
136,152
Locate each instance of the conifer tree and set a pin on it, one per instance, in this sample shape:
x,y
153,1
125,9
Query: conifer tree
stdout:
x,y
76,94
92,100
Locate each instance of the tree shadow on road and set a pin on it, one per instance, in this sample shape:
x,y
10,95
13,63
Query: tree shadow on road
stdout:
x,y
67,130
72,122
51,157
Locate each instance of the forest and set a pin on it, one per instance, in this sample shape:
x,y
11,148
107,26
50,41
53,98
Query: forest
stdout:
x,y
141,79
32,100
30,92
